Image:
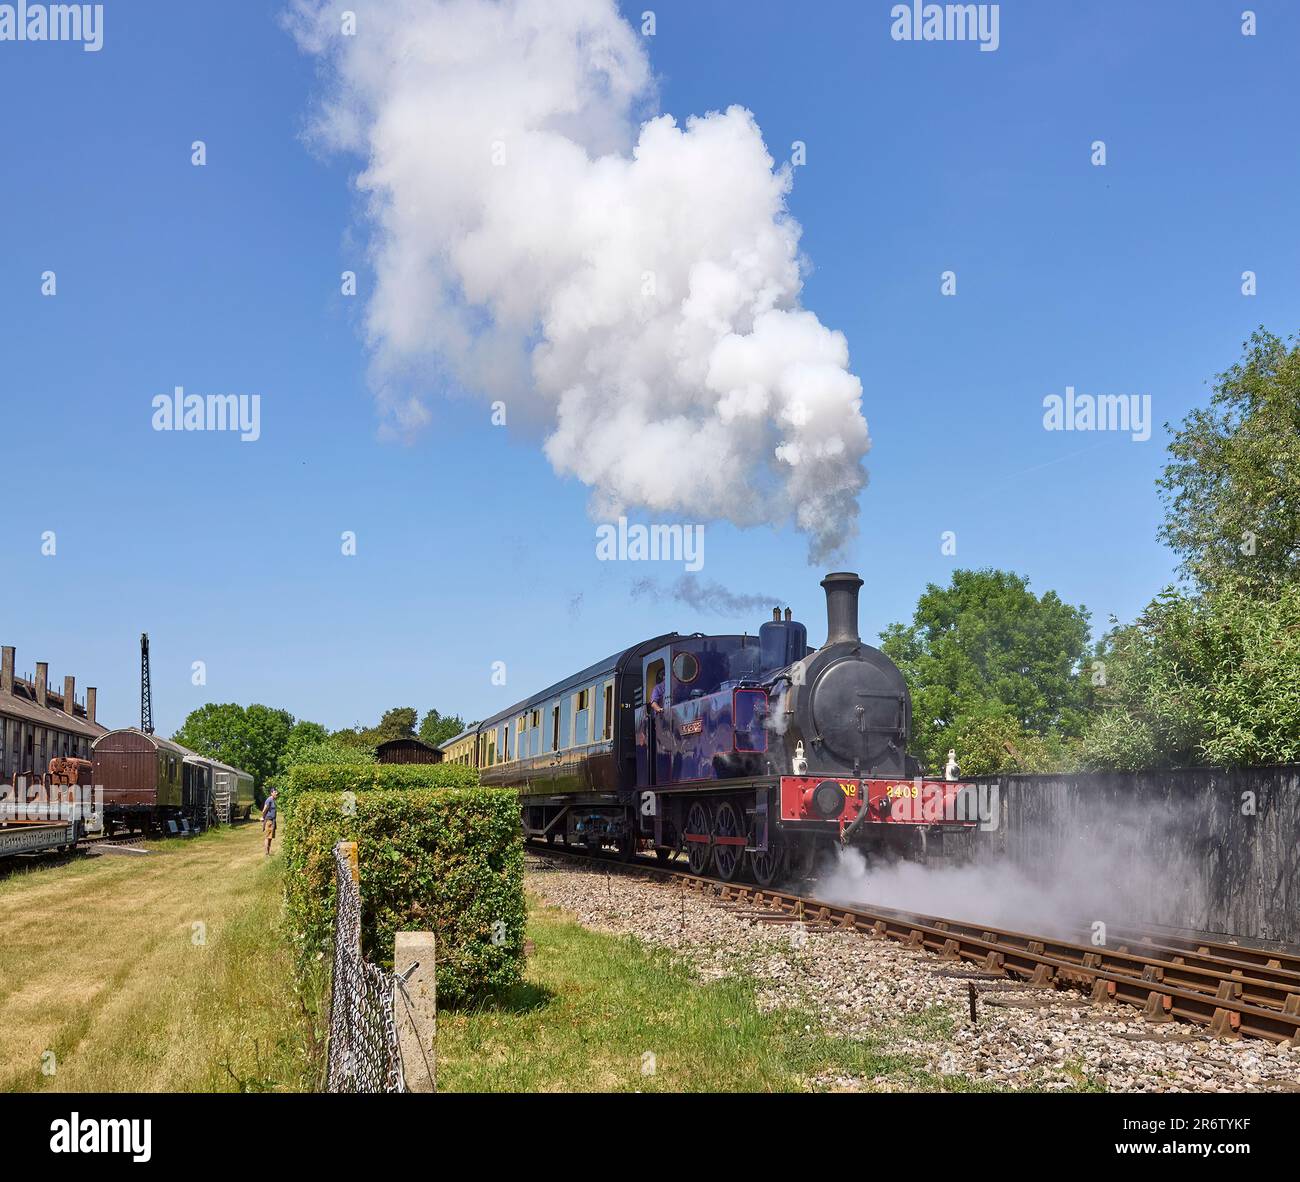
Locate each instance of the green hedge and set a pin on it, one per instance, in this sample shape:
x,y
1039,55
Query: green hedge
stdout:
x,y
351,777
441,859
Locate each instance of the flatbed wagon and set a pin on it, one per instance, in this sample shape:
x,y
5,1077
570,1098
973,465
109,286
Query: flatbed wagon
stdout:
x,y
39,838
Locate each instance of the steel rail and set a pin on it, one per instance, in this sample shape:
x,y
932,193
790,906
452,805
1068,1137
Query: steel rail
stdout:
x,y
1264,961
1259,986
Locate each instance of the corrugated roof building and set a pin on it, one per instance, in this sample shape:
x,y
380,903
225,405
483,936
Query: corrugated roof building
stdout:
x,y
36,723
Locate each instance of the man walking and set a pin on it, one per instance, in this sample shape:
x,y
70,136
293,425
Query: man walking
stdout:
x,y
268,819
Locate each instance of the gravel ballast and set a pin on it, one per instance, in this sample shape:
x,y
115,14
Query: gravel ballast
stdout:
x,y
858,987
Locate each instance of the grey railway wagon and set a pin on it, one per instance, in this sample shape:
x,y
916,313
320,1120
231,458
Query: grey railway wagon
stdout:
x,y
232,789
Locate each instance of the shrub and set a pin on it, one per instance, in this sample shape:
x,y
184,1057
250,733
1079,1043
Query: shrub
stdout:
x,y
362,777
1212,679
330,751
435,854
996,742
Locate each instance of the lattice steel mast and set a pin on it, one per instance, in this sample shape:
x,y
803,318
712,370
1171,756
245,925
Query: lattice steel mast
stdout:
x,y
146,699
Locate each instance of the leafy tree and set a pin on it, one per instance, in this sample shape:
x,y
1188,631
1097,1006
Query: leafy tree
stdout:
x,y
1211,679
397,723
354,737
252,738
987,648
1232,489
303,735
311,743
438,728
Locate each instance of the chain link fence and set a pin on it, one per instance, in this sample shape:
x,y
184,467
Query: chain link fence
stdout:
x,y
364,1053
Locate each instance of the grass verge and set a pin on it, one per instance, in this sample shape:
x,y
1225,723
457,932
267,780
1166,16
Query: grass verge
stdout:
x,y
166,972
595,1005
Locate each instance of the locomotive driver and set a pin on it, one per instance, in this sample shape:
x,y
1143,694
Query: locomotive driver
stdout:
x,y
657,721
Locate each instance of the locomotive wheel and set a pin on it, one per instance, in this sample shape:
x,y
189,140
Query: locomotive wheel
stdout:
x,y
767,867
727,858
552,837
697,852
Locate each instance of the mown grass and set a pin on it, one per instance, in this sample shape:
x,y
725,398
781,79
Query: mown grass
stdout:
x,y
167,972
594,1004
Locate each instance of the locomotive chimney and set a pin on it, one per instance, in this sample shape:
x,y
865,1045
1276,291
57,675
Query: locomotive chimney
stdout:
x,y
69,696
776,614
788,614
42,681
90,703
841,589
7,669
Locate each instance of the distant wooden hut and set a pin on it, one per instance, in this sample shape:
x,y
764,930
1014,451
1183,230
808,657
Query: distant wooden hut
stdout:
x,y
407,751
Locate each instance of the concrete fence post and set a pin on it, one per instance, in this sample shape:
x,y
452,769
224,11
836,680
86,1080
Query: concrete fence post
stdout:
x,y
416,1008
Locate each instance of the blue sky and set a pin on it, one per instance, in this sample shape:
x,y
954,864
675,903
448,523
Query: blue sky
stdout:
x,y
921,158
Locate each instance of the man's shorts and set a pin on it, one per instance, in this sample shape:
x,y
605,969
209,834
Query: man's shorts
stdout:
x,y
268,827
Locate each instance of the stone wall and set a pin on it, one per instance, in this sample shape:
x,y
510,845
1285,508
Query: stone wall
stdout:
x,y
1206,848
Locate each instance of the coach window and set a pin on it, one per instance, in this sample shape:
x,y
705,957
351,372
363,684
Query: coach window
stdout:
x,y
581,715
566,720
555,728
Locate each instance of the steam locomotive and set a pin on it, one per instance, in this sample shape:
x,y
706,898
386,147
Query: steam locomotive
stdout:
x,y
749,754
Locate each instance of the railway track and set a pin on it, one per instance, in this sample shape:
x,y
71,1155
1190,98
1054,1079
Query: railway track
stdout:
x,y
134,842
1234,991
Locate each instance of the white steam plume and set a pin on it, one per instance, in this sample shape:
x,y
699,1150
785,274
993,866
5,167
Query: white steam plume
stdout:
x,y
631,288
